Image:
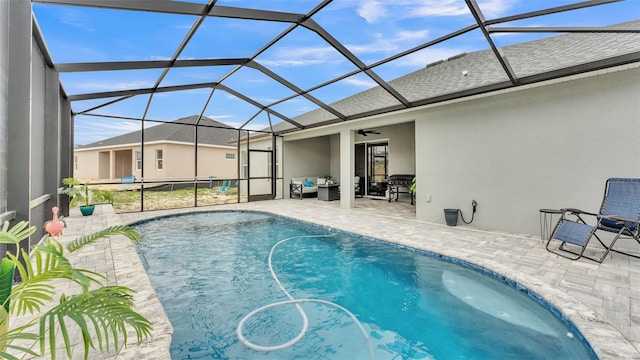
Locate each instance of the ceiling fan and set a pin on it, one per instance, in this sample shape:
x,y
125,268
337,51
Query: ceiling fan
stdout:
x,y
365,132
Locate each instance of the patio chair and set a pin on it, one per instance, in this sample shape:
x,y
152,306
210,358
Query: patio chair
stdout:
x,y
357,187
128,179
619,215
225,188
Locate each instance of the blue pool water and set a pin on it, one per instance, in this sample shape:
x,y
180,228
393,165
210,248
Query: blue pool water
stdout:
x,y
211,269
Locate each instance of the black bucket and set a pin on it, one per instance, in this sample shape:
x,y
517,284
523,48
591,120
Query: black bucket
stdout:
x,y
451,216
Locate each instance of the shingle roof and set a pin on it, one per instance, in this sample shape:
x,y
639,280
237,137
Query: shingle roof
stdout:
x,y
434,82
211,132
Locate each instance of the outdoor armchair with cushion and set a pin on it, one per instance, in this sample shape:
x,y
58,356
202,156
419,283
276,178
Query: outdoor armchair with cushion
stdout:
x,y
305,186
619,215
225,188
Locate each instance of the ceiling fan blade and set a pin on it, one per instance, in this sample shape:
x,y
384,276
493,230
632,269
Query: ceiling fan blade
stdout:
x,y
365,132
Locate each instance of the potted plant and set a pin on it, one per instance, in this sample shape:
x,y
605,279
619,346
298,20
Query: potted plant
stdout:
x,y
81,194
103,313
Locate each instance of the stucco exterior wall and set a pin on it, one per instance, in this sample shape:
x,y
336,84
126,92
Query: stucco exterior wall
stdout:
x,y
334,153
309,157
86,165
514,153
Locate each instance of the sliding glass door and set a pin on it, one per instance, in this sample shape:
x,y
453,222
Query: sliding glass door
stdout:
x,y
372,165
378,164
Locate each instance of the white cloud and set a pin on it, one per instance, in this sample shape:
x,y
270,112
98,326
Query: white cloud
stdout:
x,y
385,44
76,19
302,56
237,124
424,57
371,10
219,117
362,83
403,9
121,126
495,8
437,8
110,86
89,129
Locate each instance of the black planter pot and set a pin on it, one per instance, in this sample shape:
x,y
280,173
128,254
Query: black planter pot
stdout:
x,y
451,216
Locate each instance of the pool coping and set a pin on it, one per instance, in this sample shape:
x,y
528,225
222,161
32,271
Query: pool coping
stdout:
x,y
603,337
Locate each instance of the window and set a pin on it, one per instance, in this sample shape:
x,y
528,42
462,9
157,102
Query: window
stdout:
x,y
231,156
159,156
138,160
75,162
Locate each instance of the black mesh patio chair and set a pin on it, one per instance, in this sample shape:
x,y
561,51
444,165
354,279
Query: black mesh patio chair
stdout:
x,y
619,215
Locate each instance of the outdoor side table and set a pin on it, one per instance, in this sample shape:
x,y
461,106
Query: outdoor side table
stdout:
x,y
328,192
547,222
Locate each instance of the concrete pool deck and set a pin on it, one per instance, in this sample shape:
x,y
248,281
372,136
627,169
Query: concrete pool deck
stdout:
x,y
602,300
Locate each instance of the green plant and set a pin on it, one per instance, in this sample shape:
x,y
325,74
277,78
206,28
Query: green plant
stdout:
x,y
102,313
412,188
81,193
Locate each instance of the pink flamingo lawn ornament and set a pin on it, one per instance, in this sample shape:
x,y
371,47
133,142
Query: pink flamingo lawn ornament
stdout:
x,y
54,226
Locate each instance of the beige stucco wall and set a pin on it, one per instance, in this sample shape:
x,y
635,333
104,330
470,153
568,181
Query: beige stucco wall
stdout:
x,y
86,165
334,156
308,157
540,147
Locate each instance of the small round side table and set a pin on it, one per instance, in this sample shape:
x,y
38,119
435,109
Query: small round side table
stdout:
x,y
547,222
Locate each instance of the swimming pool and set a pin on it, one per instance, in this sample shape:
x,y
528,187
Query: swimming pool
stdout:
x,y
211,269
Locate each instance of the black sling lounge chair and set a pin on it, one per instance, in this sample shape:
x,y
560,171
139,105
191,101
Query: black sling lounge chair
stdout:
x,y
619,214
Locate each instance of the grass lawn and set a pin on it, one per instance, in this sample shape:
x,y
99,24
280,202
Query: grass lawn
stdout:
x,y
129,200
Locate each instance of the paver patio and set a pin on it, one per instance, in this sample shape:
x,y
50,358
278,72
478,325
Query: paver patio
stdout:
x,y
602,300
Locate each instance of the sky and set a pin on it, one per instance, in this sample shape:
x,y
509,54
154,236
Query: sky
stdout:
x,y
373,30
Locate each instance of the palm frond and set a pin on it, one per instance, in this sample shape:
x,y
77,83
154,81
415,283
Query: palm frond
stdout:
x,y
7,270
17,233
110,311
128,231
36,290
54,259
22,335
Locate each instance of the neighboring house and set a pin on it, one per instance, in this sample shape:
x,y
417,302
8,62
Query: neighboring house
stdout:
x,y
169,153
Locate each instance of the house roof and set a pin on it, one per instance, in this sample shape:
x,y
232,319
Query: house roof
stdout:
x,y
210,132
480,71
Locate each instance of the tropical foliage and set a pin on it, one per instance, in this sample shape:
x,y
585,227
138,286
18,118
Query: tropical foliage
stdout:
x,y
82,194
102,313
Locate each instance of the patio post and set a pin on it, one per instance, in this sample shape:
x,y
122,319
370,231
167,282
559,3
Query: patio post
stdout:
x,y
347,169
